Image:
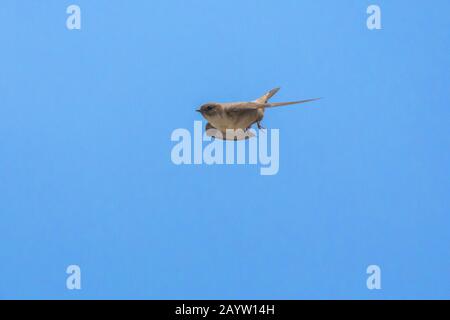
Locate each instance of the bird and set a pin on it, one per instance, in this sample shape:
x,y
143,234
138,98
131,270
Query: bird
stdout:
x,y
232,120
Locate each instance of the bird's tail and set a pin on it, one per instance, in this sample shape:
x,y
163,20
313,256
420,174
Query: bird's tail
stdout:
x,y
280,104
267,96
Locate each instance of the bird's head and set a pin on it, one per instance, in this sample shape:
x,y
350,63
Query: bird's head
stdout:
x,y
209,109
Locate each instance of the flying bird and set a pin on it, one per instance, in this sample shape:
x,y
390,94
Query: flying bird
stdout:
x,y
239,115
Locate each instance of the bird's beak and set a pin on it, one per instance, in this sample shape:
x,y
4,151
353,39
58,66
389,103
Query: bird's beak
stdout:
x,y
198,110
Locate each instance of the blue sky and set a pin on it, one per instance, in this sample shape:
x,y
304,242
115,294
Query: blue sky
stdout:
x,y
86,176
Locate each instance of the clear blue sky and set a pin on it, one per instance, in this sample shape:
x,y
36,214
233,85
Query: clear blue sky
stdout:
x,y
86,176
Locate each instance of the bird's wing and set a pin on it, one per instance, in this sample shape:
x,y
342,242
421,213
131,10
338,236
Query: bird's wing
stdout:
x,y
267,96
281,104
242,108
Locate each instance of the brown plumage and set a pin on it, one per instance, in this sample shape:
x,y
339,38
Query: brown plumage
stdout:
x,y
239,116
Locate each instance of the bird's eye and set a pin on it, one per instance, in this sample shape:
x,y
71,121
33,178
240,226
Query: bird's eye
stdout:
x,y
209,108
